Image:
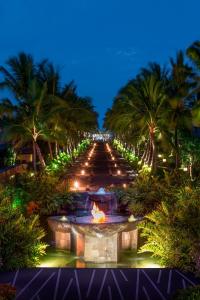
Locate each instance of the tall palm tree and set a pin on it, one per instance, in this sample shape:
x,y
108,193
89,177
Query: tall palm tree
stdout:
x,y
29,124
180,85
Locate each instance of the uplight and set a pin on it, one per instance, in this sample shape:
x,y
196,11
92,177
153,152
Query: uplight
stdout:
x,y
76,184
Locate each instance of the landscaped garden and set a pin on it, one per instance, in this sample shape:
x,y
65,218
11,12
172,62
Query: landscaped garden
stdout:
x,y
154,123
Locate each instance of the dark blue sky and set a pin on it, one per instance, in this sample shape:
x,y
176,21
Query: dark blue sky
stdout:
x,y
100,44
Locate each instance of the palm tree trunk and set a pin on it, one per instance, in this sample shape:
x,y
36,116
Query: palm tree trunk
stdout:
x,y
50,150
34,158
56,148
40,156
177,159
153,149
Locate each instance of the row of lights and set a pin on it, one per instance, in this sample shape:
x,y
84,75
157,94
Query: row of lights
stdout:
x,y
113,158
89,157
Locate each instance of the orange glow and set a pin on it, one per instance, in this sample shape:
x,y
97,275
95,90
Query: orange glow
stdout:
x,y
76,184
98,215
86,164
83,172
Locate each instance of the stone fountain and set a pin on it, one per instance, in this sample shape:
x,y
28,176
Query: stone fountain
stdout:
x,y
100,236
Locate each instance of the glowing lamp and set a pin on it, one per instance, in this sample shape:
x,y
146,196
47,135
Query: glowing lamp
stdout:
x,y
86,164
159,155
118,172
185,169
124,185
164,160
82,172
113,158
76,184
115,165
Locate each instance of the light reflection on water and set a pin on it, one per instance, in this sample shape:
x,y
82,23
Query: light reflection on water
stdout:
x,y
129,259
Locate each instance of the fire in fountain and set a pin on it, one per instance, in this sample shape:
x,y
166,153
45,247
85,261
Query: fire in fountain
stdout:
x,y
101,235
98,215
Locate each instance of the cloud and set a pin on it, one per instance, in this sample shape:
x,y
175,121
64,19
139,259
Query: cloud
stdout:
x,y
128,52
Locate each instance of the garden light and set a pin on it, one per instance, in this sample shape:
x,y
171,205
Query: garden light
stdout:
x,y
76,184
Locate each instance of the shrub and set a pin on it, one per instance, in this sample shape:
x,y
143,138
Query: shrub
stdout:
x,y
20,238
7,292
190,293
143,196
39,193
173,230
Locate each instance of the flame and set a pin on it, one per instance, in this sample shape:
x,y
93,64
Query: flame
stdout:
x,y
98,215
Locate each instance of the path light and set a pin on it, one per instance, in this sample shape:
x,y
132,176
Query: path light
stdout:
x,y
76,184
82,172
118,172
64,218
164,160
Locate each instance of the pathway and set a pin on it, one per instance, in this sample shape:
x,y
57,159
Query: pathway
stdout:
x,y
98,284
100,166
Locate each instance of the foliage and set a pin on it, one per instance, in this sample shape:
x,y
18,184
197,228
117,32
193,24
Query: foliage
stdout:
x,y
45,112
64,160
152,110
190,293
10,157
144,195
172,231
20,238
7,291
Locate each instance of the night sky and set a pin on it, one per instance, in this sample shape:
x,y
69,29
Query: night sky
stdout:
x,y
101,44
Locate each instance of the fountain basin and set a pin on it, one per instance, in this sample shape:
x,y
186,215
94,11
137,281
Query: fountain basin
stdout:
x,y
95,242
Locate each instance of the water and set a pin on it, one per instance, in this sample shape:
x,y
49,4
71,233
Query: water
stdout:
x,y
129,259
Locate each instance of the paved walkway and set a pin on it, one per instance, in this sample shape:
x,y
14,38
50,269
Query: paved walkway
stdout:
x,y
97,284
101,169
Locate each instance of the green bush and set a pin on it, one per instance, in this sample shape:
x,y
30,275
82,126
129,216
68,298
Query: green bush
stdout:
x,y
42,189
172,231
7,292
191,293
20,238
144,195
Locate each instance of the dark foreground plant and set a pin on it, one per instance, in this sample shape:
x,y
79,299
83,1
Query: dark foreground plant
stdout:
x,y
190,293
20,238
172,231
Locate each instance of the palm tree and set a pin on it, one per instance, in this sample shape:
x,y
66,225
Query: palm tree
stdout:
x,y
17,76
29,124
180,85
